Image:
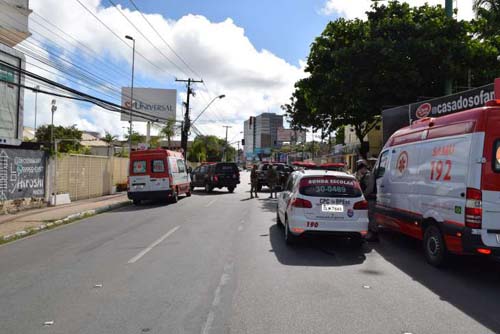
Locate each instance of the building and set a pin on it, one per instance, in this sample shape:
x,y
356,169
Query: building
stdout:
x,y
352,145
261,135
13,30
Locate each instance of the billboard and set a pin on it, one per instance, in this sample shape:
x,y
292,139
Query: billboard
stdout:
x,y
11,96
395,118
22,174
156,102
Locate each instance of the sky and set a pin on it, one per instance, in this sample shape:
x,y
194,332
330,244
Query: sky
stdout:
x,y
253,51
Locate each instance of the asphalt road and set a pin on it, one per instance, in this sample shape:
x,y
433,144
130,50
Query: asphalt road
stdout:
x,y
218,263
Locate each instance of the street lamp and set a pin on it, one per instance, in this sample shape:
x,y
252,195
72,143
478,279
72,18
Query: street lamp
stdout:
x,y
37,87
131,95
208,105
53,109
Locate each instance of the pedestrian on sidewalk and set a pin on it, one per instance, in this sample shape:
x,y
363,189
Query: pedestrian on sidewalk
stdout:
x,y
367,183
272,179
254,180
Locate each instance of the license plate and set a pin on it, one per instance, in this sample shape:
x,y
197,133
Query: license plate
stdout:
x,y
332,208
498,238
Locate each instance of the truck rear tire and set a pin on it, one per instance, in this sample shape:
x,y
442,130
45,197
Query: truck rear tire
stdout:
x,y
434,246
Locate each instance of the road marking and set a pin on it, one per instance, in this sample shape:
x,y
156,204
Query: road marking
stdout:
x,y
154,244
211,202
226,276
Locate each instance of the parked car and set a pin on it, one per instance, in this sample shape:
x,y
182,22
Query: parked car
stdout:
x,y
282,169
322,202
216,175
157,175
438,180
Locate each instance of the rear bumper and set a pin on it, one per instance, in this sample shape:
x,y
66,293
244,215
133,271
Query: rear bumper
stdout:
x,y
472,242
338,228
222,184
149,195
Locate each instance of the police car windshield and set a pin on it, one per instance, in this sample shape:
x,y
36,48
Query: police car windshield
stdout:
x,y
329,186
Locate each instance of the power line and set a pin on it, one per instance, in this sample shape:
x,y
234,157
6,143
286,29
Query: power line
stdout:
x,y
111,30
89,98
145,37
164,41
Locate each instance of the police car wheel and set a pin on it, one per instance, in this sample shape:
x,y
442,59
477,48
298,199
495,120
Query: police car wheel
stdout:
x,y
290,239
137,202
230,189
278,219
434,246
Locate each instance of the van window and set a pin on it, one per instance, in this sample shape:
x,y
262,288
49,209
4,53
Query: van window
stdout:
x,y
139,167
496,157
181,166
382,166
329,187
158,166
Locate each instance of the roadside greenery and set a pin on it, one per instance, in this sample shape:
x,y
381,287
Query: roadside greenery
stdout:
x,y
399,55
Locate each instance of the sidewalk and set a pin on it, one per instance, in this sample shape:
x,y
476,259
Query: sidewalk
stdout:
x,y
23,221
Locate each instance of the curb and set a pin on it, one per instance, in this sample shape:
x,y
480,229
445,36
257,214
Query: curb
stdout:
x,y
68,219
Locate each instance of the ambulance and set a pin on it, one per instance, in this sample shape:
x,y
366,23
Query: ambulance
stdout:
x,y
438,180
157,174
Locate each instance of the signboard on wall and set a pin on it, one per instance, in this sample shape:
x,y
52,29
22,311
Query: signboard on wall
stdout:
x,y
22,174
395,118
155,102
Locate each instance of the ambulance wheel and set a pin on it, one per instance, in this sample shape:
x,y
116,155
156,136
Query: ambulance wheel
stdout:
x,y
137,202
434,246
175,196
188,194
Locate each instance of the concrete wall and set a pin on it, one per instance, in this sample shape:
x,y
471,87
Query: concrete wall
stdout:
x,y
86,176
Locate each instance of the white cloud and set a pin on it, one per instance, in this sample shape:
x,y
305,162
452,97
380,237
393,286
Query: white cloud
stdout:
x,y
254,81
358,8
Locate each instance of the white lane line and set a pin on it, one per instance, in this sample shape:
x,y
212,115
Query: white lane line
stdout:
x,y
154,244
226,276
211,202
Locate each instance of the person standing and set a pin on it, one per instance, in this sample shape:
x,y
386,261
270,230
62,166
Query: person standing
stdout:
x,y
254,180
272,179
366,181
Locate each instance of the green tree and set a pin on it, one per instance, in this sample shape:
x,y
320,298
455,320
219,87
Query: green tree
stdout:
x,y
168,130
109,139
340,135
136,138
399,54
488,16
71,135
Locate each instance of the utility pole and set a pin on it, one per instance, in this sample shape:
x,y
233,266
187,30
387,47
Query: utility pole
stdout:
x,y
187,122
131,96
225,145
449,13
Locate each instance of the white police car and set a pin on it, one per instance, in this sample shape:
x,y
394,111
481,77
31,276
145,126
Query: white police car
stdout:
x,y
322,202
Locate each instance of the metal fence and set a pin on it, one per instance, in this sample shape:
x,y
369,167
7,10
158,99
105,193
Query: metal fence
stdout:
x,y
86,176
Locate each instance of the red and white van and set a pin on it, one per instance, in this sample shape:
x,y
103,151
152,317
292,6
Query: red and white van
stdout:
x,y
438,180
157,174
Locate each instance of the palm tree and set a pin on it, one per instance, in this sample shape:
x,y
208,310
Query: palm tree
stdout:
x,y
489,11
109,139
168,130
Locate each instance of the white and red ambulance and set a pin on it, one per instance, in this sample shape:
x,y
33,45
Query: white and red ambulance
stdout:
x,y
157,174
438,180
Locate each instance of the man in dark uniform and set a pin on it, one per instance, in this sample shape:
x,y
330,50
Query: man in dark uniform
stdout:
x,y
367,183
254,180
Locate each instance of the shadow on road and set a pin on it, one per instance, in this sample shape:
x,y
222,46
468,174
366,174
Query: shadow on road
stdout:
x,y
215,192
472,284
317,251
